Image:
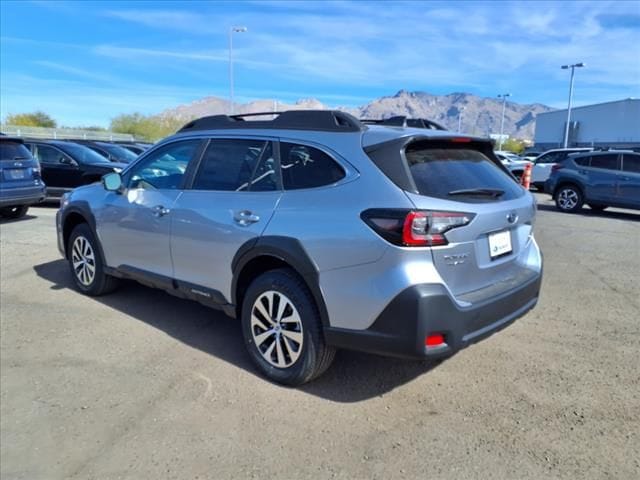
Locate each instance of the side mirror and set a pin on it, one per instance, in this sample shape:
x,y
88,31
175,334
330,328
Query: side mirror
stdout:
x,y
68,161
112,182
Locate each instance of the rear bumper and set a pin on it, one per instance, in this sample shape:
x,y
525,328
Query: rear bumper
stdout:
x,y
10,197
424,309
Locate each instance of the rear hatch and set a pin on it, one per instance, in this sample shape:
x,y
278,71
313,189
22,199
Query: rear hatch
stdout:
x,y
480,253
18,168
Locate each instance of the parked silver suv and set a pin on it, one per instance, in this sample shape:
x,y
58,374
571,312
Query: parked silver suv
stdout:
x,y
318,232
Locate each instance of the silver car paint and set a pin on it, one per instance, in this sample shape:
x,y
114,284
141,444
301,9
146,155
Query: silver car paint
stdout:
x,y
206,233
359,272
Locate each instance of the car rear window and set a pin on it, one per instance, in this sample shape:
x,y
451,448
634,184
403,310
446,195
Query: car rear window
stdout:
x,y
438,172
14,151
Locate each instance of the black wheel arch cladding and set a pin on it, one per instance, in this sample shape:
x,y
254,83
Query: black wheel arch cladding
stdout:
x,y
288,250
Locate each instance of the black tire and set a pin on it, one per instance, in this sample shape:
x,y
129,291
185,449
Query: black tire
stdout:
x,y
100,283
598,208
14,212
314,355
569,198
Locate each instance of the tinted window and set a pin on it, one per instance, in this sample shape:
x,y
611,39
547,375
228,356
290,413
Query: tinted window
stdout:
x,y
14,151
164,168
584,161
47,154
307,167
551,157
119,153
631,163
608,161
439,171
83,154
237,165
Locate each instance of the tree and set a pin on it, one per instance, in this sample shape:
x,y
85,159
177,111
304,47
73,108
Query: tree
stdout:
x,y
150,128
35,119
513,145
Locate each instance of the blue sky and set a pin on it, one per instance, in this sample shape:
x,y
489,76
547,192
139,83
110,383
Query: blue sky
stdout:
x,y
85,62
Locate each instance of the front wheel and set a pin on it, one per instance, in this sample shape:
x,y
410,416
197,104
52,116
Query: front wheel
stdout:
x,y
282,329
569,199
14,212
86,264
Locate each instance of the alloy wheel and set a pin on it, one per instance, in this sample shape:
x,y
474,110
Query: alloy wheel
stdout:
x,y
276,329
567,199
84,262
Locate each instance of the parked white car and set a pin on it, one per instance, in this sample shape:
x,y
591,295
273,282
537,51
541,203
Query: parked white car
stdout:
x,y
542,164
513,162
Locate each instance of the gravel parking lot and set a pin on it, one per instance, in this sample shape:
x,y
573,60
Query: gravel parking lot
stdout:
x,y
140,384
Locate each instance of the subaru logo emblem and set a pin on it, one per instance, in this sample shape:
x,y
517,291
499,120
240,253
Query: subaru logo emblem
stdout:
x,y
512,217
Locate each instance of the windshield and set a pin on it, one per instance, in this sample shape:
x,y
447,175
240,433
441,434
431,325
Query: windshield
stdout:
x,y
122,154
82,154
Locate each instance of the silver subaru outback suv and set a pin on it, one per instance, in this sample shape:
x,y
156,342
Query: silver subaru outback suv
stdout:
x,y
317,231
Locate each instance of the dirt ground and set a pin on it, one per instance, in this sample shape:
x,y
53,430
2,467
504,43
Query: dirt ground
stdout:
x,y
142,385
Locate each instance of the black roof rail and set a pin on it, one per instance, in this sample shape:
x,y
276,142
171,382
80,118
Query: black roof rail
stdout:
x,y
323,120
403,121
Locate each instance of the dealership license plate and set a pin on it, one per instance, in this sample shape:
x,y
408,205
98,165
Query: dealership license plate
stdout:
x,y
15,174
500,244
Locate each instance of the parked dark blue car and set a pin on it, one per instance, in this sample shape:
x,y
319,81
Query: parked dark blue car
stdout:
x,y
600,179
20,181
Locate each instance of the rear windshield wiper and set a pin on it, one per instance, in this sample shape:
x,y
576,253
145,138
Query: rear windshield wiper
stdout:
x,y
487,192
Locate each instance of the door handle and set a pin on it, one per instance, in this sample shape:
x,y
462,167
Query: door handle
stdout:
x,y
159,211
624,178
245,217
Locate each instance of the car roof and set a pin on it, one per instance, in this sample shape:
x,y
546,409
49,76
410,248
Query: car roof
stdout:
x,y
6,138
331,122
601,152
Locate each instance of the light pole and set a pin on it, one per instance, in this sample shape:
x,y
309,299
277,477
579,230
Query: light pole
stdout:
x,y
460,118
566,128
232,30
504,104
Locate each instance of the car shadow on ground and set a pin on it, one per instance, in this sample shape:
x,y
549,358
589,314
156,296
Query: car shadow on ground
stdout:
x,y
588,212
353,377
24,218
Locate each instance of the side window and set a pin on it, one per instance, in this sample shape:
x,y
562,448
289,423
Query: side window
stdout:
x,y
583,161
164,168
548,158
307,167
237,165
608,161
46,154
631,163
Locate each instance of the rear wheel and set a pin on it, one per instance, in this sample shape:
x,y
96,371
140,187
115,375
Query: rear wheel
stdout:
x,y
14,212
86,264
598,208
282,329
569,199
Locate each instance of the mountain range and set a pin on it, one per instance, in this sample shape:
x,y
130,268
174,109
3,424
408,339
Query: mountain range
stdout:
x,y
479,116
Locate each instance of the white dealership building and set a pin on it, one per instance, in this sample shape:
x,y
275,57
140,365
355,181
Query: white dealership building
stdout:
x,y
611,124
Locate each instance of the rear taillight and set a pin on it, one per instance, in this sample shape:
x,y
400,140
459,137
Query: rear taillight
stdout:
x,y
415,228
556,166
